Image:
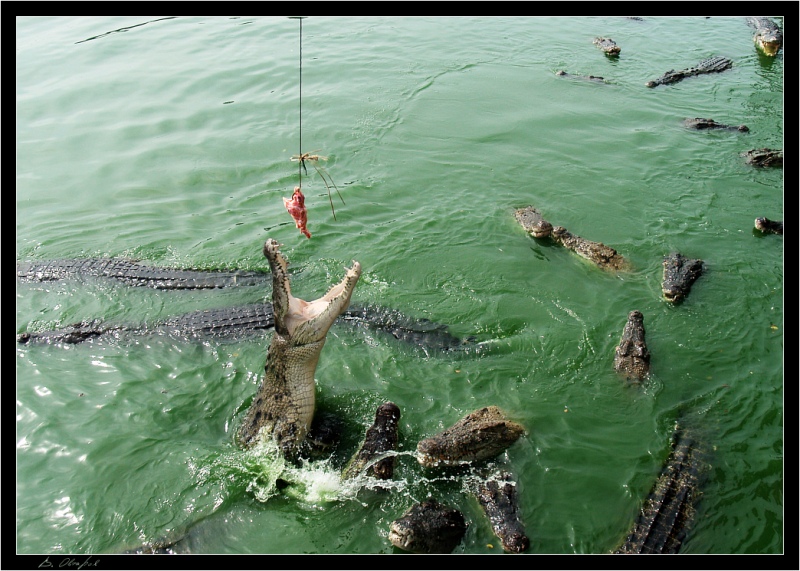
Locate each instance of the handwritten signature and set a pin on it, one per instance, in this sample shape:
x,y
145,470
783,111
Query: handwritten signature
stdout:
x,y
70,563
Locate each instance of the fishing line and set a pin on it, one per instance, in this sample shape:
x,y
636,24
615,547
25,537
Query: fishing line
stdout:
x,y
300,103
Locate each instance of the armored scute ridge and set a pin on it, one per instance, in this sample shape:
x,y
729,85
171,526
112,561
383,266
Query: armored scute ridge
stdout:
x,y
603,256
714,64
669,510
239,322
133,273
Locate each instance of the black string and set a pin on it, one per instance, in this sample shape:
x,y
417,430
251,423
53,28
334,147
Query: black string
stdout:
x,y
300,150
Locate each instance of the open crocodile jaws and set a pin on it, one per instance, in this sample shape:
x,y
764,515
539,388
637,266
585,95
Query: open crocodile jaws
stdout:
x,y
284,404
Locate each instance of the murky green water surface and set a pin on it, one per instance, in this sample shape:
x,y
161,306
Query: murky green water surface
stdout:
x,y
168,140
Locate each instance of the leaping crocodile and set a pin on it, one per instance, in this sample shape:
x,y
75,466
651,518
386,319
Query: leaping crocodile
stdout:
x,y
713,64
284,404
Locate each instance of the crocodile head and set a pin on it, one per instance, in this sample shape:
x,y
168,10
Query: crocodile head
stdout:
x,y
301,321
680,273
769,41
533,223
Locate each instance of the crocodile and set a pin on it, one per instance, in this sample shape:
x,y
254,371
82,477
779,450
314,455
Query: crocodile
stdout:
x,y
768,36
424,333
631,357
680,273
284,404
381,438
241,322
134,273
595,78
764,157
533,223
609,46
497,495
480,435
713,64
669,510
701,124
428,527
768,226
603,256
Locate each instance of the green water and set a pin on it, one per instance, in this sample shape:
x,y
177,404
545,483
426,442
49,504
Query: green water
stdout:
x,y
168,140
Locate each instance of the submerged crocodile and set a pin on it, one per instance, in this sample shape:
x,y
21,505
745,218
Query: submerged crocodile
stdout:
x,y
713,64
428,527
631,357
701,124
768,226
480,435
133,273
768,37
669,510
595,78
764,157
284,404
240,322
609,46
603,256
680,273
